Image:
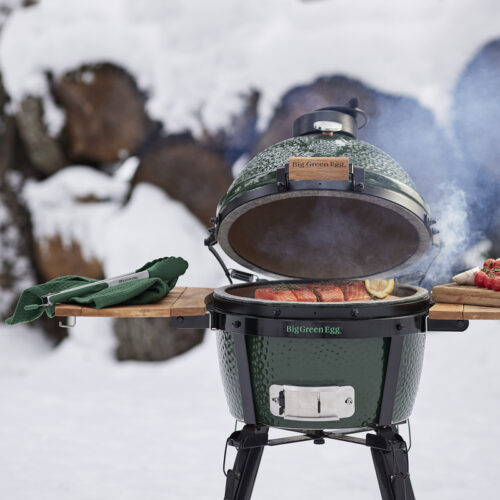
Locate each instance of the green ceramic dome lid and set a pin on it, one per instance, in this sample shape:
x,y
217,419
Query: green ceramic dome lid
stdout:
x,y
324,229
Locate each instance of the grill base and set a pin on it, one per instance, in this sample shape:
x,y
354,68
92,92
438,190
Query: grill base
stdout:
x,y
389,453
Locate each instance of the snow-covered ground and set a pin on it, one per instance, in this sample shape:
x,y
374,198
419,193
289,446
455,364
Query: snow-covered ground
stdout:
x,y
77,425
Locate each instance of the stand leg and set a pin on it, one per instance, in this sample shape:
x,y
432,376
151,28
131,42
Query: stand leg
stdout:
x,y
249,442
390,457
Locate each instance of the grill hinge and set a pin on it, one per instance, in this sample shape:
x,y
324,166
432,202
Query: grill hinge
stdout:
x,y
282,178
358,178
244,276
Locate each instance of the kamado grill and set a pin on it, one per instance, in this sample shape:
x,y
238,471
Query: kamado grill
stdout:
x,y
322,205
321,209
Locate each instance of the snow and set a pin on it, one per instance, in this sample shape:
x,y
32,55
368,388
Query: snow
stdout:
x,y
77,425
6,7
56,211
152,225
196,59
122,237
73,183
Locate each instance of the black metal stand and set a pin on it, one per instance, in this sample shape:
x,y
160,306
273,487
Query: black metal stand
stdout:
x,y
390,457
389,453
249,442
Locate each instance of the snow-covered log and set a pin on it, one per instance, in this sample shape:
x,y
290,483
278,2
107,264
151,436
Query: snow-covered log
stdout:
x,y
16,270
53,258
475,118
69,211
194,174
105,116
476,109
44,151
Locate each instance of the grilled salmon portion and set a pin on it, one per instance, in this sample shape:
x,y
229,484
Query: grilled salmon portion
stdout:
x,y
286,296
355,291
304,294
275,294
329,293
265,294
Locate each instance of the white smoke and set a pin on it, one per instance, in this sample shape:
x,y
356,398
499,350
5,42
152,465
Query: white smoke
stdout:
x,y
453,224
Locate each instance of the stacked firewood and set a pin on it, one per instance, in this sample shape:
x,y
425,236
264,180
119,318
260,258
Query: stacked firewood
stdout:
x,y
106,122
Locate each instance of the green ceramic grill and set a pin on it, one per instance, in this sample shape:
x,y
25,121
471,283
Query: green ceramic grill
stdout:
x,y
322,205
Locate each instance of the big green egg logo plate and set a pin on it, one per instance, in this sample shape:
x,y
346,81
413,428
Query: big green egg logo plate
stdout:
x,y
311,330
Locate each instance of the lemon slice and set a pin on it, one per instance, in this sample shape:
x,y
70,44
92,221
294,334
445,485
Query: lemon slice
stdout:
x,y
379,288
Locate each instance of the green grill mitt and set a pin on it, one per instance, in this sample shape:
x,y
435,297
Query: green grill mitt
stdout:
x,y
163,275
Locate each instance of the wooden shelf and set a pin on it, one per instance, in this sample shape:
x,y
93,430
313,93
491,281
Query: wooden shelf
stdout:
x,y
463,311
181,301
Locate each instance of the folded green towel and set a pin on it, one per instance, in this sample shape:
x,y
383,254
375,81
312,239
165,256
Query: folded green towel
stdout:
x,y
163,274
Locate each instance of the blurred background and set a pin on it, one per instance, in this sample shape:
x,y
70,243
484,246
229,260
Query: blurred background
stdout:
x,y
122,123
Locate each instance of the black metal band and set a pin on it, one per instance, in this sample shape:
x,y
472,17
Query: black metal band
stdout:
x,y
240,325
227,301
391,381
347,186
243,365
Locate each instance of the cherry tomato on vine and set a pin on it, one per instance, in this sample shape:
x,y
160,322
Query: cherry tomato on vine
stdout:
x,y
479,278
489,263
496,284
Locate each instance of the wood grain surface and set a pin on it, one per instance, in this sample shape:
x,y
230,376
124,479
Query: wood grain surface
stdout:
x,y
481,312
463,294
318,168
463,311
446,311
181,301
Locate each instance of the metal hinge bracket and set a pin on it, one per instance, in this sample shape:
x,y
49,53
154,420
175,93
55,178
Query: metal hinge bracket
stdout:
x,y
358,178
282,178
244,276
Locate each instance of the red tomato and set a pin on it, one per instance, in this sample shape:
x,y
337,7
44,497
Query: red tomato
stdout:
x,y
488,282
479,278
489,263
497,263
496,284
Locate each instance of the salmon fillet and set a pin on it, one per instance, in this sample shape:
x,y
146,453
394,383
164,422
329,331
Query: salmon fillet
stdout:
x,y
351,291
286,295
304,294
265,294
273,294
329,293
355,291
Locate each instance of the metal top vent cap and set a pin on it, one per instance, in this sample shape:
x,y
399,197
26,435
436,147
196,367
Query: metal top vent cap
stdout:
x,y
346,119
